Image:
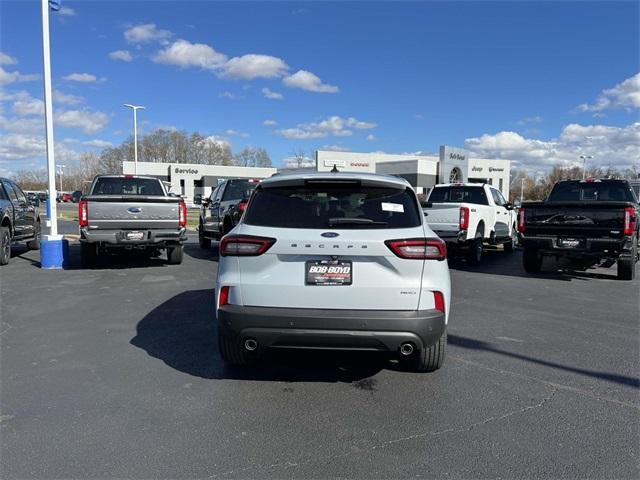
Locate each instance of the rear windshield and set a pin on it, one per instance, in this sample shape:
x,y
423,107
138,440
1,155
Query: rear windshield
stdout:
x,y
238,190
127,186
591,191
458,195
333,206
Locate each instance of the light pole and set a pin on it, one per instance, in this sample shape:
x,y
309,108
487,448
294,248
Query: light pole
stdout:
x,y
584,164
135,109
521,189
60,172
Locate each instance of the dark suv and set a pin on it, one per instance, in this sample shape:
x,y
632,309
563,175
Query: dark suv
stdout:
x,y
19,219
222,210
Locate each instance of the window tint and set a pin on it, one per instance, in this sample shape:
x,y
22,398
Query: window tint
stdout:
x,y
497,197
333,206
238,190
11,192
610,191
127,186
19,193
3,195
458,194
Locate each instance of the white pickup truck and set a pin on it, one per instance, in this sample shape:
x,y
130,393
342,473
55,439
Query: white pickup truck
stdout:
x,y
468,216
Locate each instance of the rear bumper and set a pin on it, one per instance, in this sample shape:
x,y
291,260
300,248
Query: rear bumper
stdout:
x,y
332,329
116,238
591,247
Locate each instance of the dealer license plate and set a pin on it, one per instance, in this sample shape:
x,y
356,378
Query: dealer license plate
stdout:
x,y
134,235
328,272
570,242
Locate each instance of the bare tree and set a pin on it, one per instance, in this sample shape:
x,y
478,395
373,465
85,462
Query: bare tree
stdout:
x,y
252,157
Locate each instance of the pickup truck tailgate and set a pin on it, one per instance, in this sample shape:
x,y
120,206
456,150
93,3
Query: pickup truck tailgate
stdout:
x,y
130,213
443,217
575,219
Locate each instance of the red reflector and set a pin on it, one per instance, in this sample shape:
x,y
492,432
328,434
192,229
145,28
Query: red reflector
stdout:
x,y
182,214
128,176
83,217
438,300
629,221
464,218
418,248
521,220
223,298
244,245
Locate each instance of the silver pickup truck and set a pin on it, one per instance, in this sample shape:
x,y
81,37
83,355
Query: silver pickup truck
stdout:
x,y
131,212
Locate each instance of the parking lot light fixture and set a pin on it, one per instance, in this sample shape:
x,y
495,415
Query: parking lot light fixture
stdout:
x,y
135,109
584,164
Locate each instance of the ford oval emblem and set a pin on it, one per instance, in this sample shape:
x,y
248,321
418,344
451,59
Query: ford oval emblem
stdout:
x,y
329,234
134,210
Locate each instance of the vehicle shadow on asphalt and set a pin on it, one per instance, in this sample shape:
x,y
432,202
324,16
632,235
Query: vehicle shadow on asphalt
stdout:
x,y
114,261
497,262
195,251
473,344
182,333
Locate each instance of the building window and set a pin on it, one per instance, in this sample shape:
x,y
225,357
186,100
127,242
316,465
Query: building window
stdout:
x,y
455,176
182,191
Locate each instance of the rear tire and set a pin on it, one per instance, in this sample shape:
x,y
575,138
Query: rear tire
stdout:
x,y
88,254
5,245
510,246
231,350
429,359
175,255
474,253
627,264
35,243
202,240
531,260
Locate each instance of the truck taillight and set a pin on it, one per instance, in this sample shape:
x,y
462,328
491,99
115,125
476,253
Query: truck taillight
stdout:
x,y
182,214
419,248
83,216
223,296
438,300
242,206
521,220
244,245
629,221
464,218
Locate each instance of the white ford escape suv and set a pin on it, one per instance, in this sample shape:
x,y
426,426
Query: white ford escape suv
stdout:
x,y
333,261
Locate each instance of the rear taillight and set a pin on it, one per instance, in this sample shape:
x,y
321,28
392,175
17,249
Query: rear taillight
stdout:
x,y
242,206
438,301
244,245
521,220
223,296
419,248
182,214
464,218
83,217
629,221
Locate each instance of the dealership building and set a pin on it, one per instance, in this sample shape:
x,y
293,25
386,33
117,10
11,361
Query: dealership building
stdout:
x,y
421,171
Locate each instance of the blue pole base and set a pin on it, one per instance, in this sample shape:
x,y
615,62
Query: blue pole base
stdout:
x,y
54,252
47,207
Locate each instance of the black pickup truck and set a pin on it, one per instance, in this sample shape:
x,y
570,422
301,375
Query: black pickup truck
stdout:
x,y
222,210
19,219
585,221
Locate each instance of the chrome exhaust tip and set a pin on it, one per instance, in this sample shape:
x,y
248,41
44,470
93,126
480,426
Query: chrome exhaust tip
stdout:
x,y
406,349
250,344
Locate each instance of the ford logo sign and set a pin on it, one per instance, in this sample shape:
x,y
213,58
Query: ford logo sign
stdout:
x,y
329,234
134,210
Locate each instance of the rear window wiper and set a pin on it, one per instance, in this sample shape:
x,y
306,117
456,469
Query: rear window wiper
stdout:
x,y
353,221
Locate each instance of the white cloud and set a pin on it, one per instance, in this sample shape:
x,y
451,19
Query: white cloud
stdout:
x,y
122,55
67,12
16,146
98,143
270,123
7,60
81,77
530,120
418,116
229,96
12,77
88,121
222,142
146,33
186,54
332,126
335,148
371,137
22,125
234,133
624,95
252,66
28,106
66,98
271,94
610,146
308,81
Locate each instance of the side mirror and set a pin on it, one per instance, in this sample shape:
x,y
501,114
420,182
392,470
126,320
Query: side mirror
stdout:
x,y
197,199
508,206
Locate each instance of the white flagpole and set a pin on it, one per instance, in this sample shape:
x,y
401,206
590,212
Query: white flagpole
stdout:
x,y
48,115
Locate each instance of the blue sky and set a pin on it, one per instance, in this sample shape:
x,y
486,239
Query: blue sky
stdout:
x,y
539,83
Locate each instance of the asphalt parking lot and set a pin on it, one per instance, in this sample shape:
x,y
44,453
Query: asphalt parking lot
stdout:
x,y
114,372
